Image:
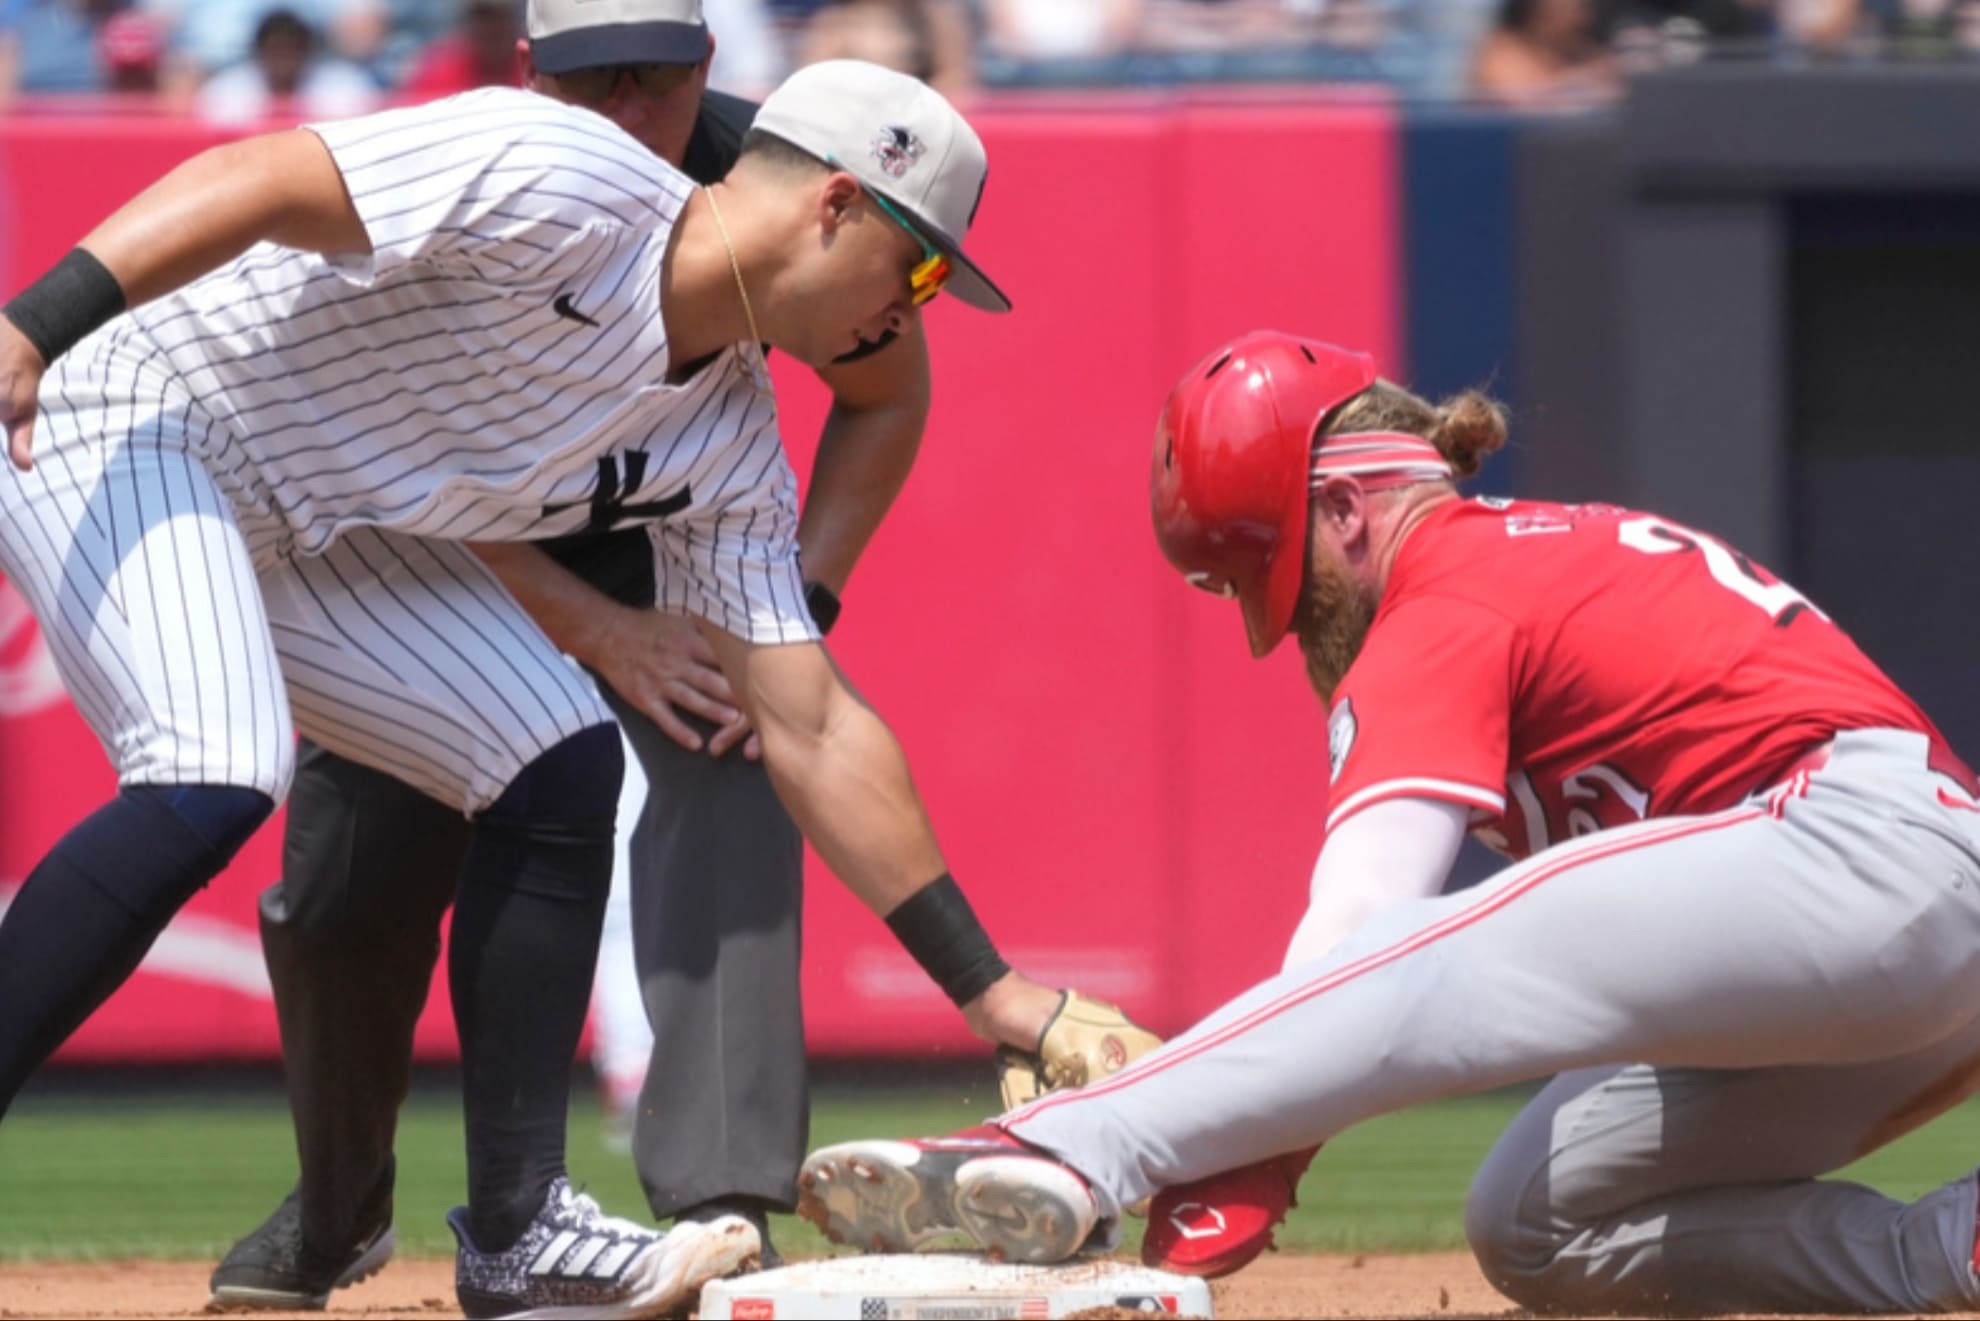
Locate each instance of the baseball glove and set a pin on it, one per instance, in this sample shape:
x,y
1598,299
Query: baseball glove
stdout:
x,y
1084,1040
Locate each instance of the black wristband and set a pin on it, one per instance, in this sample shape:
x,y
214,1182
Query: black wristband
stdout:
x,y
938,927
823,603
77,295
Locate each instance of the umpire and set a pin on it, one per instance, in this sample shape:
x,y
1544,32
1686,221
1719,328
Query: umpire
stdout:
x,y
351,931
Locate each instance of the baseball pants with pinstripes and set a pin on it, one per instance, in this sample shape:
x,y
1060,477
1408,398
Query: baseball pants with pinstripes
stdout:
x,y
1736,1005
196,642
176,640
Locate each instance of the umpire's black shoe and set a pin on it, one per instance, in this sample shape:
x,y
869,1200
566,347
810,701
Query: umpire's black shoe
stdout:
x,y
271,1270
753,1209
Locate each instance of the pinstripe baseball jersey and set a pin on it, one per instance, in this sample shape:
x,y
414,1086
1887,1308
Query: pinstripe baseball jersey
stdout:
x,y
496,369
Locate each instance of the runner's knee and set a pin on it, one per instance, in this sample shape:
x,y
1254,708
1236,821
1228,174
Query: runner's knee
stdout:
x,y
1516,1242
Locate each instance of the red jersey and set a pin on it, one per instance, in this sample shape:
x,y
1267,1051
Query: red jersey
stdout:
x,y
1566,668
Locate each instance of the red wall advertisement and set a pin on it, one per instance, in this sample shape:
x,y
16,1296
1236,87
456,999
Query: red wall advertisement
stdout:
x,y
1131,802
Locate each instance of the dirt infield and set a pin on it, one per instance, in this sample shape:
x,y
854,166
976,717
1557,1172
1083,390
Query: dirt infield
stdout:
x,y
1278,1286
1431,1285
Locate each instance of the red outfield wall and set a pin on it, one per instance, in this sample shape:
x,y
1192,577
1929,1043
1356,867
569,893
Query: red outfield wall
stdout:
x,y
1131,802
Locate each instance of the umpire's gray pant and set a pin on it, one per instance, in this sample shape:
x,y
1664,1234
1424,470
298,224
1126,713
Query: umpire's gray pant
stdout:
x,y
717,898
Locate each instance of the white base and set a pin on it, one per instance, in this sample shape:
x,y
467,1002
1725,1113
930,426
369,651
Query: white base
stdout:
x,y
949,1287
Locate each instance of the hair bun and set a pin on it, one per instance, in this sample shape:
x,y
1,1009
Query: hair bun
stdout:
x,y
1469,427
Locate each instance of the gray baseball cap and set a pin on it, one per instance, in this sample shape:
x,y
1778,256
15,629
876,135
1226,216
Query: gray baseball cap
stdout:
x,y
585,34
899,137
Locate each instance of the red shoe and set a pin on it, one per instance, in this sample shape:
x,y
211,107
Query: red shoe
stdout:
x,y
1017,1202
1220,1224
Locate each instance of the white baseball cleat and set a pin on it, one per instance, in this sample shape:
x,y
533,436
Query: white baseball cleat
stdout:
x,y
575,1261
1016,1202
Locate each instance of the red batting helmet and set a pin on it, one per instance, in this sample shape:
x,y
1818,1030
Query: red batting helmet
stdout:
x,y
1232,456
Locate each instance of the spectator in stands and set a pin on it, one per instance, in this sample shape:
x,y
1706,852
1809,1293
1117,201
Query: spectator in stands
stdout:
x,y
1652,33
1219,25
1062,29
48,47
1914,29
411,26
211,35
1344,24
1544,53
749,58
1820,26
287,75
1060,42
130,49
479,52
929,39
1279,40
1966,27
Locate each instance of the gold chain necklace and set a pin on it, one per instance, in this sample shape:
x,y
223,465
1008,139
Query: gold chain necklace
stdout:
x,y
761,376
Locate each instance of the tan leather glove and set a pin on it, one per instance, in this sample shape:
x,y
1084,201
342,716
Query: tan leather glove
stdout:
x,y
1085,1040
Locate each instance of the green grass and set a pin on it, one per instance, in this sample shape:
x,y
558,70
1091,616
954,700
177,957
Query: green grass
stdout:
x,y
181,1178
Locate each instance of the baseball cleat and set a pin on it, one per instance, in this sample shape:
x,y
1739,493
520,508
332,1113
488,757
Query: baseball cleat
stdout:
x,y
1222,1223
1016,1202
753,1209
271,1270
575,1261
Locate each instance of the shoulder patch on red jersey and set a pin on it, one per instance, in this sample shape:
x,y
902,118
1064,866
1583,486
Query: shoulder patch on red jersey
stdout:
x,y
1341,729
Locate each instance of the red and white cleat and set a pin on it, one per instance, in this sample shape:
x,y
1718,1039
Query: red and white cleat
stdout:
x,y
1019,1204
1221,1223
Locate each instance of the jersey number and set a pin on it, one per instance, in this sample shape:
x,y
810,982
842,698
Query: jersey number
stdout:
x,y
1730,569
1594,798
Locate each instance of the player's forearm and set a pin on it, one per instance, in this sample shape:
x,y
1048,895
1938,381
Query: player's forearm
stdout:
x,y
844,780
850,792
1383,855
282,188
867,448
570,611
846,784
836,767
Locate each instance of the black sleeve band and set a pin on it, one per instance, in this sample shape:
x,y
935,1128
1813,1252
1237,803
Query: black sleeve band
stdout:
x,y
76,296
823,603
938,927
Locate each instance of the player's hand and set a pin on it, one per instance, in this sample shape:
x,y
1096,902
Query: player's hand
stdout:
x,y
1083,1041
737,731
20,390
659,662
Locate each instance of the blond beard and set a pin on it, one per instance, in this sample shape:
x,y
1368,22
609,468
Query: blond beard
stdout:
x,y
1332,622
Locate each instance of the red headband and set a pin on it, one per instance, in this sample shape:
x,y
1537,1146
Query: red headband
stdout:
x,y
1381,459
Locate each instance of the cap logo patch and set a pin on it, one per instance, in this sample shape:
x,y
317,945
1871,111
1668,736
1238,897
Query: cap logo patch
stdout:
x,y
897,149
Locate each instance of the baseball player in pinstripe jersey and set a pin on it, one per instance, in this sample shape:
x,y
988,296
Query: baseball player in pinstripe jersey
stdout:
x,y
716,864
237,511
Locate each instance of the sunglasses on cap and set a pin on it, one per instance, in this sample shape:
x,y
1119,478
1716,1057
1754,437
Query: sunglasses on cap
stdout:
x,y
933,270
595,85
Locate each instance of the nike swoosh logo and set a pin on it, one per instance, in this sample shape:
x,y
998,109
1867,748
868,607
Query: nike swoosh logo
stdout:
x,y
561,305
